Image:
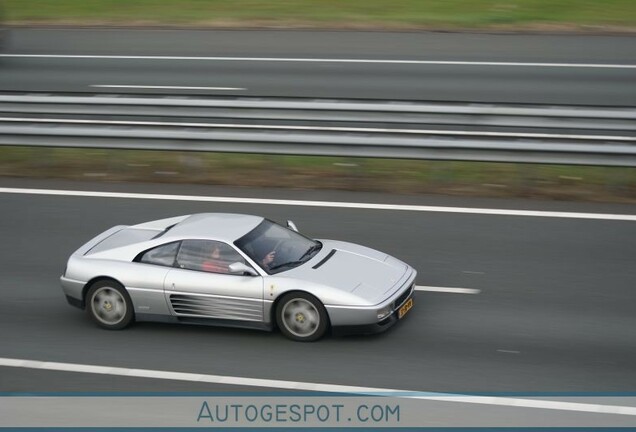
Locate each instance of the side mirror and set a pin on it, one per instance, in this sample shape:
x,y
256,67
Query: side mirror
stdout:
x,y
242,269
292,226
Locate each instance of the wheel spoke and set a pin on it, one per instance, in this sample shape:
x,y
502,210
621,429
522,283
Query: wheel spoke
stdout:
x,y
312,317
300,317
108,306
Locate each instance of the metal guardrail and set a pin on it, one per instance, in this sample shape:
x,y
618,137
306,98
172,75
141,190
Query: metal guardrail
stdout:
x,y
476,132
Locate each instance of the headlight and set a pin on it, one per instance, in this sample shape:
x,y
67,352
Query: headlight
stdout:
x,y
384,312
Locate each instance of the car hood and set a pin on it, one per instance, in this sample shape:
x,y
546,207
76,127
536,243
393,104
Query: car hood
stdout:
x,y
364,272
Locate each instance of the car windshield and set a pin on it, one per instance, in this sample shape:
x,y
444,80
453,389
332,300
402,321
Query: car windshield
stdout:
x,y
277,249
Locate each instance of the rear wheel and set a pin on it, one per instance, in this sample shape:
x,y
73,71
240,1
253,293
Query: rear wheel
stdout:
x,y
301,317
109,305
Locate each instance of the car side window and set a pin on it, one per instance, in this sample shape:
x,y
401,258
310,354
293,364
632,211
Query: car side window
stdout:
x,y
208,256
163,255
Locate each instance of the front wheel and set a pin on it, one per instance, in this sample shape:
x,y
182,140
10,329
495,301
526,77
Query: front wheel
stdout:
x,y
109,305
301,317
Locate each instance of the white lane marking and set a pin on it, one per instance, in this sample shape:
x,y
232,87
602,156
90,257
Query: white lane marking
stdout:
x,y
322,129
167,87
318,387
328,204
447,290
508,351
329,60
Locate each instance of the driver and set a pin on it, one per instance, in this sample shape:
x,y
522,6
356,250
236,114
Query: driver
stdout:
x,y
268,259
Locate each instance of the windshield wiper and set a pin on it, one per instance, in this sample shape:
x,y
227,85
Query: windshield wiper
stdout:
x,y
290,263
311,249
314,248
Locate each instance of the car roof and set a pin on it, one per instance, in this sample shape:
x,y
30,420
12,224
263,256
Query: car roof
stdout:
x,y
226,227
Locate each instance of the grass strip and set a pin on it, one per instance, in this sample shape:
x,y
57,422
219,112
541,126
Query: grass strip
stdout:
x,y
447,14
563,182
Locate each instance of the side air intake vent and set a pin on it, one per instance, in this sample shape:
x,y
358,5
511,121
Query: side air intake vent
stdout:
x,y
215,307
191,305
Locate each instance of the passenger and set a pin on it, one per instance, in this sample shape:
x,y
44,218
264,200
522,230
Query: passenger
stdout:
x,y
215,263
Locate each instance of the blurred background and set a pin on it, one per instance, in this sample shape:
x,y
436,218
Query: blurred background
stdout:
x,y
459,104
450,79
346,14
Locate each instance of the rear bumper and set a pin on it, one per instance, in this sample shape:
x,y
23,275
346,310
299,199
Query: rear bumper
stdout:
x,y
75,302
73,291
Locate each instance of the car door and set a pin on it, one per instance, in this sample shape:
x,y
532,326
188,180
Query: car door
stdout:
x,y
146,275
202,286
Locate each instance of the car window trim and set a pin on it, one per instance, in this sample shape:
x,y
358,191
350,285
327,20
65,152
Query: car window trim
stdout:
x,y
233,247
257,227
137,258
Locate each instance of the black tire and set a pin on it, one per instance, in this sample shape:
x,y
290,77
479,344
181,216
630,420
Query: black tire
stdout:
x,y
109,305
301,317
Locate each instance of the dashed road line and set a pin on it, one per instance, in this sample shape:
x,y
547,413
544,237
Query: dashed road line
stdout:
x,y
447,290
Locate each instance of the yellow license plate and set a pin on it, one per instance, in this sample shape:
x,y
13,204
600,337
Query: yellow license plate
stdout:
x,y
405,308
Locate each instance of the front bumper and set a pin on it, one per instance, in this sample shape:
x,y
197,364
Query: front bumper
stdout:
x,y
366,329
374,327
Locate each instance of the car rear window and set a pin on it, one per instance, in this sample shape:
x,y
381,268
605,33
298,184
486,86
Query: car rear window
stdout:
x,y
125,237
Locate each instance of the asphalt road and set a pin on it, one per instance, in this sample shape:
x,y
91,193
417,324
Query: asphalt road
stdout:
x,y
442,82
555,312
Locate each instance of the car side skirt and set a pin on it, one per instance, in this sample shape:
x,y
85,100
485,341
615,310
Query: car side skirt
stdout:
x,y
255,325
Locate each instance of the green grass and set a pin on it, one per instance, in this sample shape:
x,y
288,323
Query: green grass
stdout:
x,y
330,13
304,172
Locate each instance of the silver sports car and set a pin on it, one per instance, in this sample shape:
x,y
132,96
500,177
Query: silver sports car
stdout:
x,y
236,270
